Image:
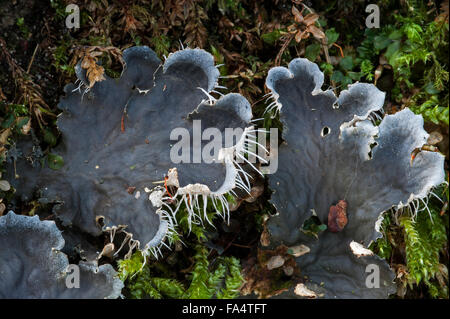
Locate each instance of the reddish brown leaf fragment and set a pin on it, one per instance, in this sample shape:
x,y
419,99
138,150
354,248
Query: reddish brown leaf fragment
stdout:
x,y
122,123
337,217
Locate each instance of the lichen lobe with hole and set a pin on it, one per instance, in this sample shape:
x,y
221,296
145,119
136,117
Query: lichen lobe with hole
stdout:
x,y
366,165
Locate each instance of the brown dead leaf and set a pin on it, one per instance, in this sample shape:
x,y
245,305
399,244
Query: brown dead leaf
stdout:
x,y
301,29
298,17
402,279
299,36
378,72
316,32
26,128
131,189
94,72
292,28
131,23
30,92
2,208
310,19
108,251
264,282
435,138
4,136
89,58
443,16
2,96
265,238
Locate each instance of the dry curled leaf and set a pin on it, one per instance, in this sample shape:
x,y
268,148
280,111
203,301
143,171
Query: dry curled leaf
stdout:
x,y
94,72
443,16
30,92
4,136
316,32
310,19
305,26
2,96
263,272
297,15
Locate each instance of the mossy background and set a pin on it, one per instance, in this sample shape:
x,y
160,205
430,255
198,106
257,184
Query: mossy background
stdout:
x,y
407,57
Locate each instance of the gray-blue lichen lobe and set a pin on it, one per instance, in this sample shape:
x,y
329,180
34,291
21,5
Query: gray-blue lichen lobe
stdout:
x,y
332,151
33,266
116,136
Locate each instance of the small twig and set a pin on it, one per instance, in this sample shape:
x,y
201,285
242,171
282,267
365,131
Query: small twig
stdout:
x,y
261,99
32,58
122,119
230,243
327,58
325,51
122,123
165,185
340,49
307,8
285,45
242,246
49,217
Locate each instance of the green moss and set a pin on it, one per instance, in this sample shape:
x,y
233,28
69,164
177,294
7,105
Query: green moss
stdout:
x,y
203,283
425,238
416,47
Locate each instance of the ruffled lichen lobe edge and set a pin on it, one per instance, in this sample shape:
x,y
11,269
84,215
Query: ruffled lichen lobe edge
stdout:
x,y
360,126
240,106
347,129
